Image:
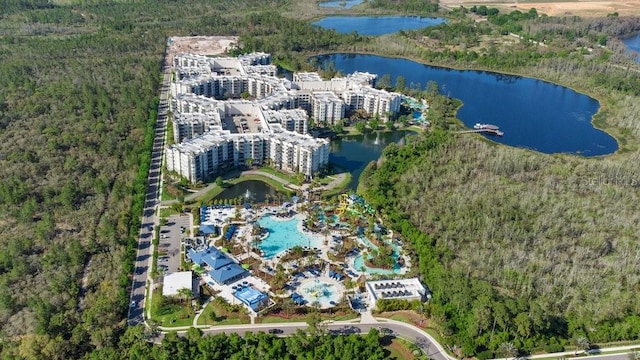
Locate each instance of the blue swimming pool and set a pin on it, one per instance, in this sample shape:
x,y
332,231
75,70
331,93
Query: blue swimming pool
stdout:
x,y
358,262
283,235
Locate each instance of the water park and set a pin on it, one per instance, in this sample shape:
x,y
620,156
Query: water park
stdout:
x,y
310,254
418,110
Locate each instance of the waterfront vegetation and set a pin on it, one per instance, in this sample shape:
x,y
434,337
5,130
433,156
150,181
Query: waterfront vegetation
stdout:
x,y
518,247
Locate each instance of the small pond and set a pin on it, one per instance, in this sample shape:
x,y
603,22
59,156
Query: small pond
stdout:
x,y
633,44
252,191
343,4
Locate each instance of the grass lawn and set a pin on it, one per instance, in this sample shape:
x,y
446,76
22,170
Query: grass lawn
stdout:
x,y
170,315
339,189
279,174
269,319
171,192
410,317
166,212
303,318
398,349
222,316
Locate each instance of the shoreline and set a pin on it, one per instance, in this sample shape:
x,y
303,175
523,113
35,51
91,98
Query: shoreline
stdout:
x,y
599,99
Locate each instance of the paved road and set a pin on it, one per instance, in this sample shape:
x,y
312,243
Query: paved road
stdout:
x,y
149,220
406,331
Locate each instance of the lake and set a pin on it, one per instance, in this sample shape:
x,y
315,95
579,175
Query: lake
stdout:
x,y
344,4
532,113
633,44
376,25
250,191
354,152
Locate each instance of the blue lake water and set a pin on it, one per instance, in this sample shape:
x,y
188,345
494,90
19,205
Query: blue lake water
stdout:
x,y
532,113
344,4
354,152
633,44
376,25
283,235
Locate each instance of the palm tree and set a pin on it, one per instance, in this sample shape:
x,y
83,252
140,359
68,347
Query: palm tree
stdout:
x,y
508,350
185,294
583,343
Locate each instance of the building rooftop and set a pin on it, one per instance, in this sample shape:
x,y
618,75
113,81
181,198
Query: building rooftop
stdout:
x,y
176,281
397,289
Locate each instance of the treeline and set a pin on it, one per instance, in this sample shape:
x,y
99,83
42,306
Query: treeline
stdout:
x,y
194,345
518,248
418,7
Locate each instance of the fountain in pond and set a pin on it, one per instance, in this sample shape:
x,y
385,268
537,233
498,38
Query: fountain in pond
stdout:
x,y
377,141
247,194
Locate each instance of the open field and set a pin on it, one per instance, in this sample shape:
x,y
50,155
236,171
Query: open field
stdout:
x,y
558,8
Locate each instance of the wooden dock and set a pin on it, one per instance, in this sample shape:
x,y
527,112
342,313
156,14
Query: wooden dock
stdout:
x,y
495,132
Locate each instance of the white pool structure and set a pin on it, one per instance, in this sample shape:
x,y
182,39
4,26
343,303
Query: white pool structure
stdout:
x,y
323,291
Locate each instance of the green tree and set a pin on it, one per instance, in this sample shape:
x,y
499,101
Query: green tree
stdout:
x,y
389,125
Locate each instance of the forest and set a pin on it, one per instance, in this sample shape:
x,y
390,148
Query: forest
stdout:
x,y
193,346
79,82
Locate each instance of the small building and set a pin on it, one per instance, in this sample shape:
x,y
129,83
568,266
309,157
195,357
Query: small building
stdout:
x,y
221,267
403,289
254,299
174,282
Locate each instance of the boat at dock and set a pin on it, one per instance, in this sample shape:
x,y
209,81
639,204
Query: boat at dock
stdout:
x,y
479,126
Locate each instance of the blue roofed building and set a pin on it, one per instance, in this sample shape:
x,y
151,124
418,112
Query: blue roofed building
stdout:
x,y
222,268
253,298
208,229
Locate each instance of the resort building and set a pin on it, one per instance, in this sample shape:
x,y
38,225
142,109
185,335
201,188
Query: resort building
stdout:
x,y
231,112
254,299
173,283
222,269
403,289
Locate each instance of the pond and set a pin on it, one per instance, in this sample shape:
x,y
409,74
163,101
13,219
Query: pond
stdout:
x,y
532,113
633,44
354,152
344,4
376,25
251,191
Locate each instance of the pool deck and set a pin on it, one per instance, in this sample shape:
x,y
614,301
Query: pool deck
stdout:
x,y
324,242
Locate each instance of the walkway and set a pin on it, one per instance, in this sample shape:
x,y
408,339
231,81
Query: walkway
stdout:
x,y
337,179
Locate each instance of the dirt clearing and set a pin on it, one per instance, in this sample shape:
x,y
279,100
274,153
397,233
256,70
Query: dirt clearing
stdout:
x,y
559,8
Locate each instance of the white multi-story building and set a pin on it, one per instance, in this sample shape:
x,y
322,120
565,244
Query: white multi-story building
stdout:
x,y
327,107
215,130
217,151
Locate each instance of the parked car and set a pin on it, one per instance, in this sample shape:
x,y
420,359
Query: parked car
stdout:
x,y
275,331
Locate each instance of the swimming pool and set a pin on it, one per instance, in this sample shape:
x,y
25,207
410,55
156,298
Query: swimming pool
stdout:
x,y
358,262
283,235
325,293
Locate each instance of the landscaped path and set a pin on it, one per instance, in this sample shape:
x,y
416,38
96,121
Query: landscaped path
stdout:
x,y
337,179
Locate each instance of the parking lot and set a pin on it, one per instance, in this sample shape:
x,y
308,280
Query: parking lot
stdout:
x,y
171,235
